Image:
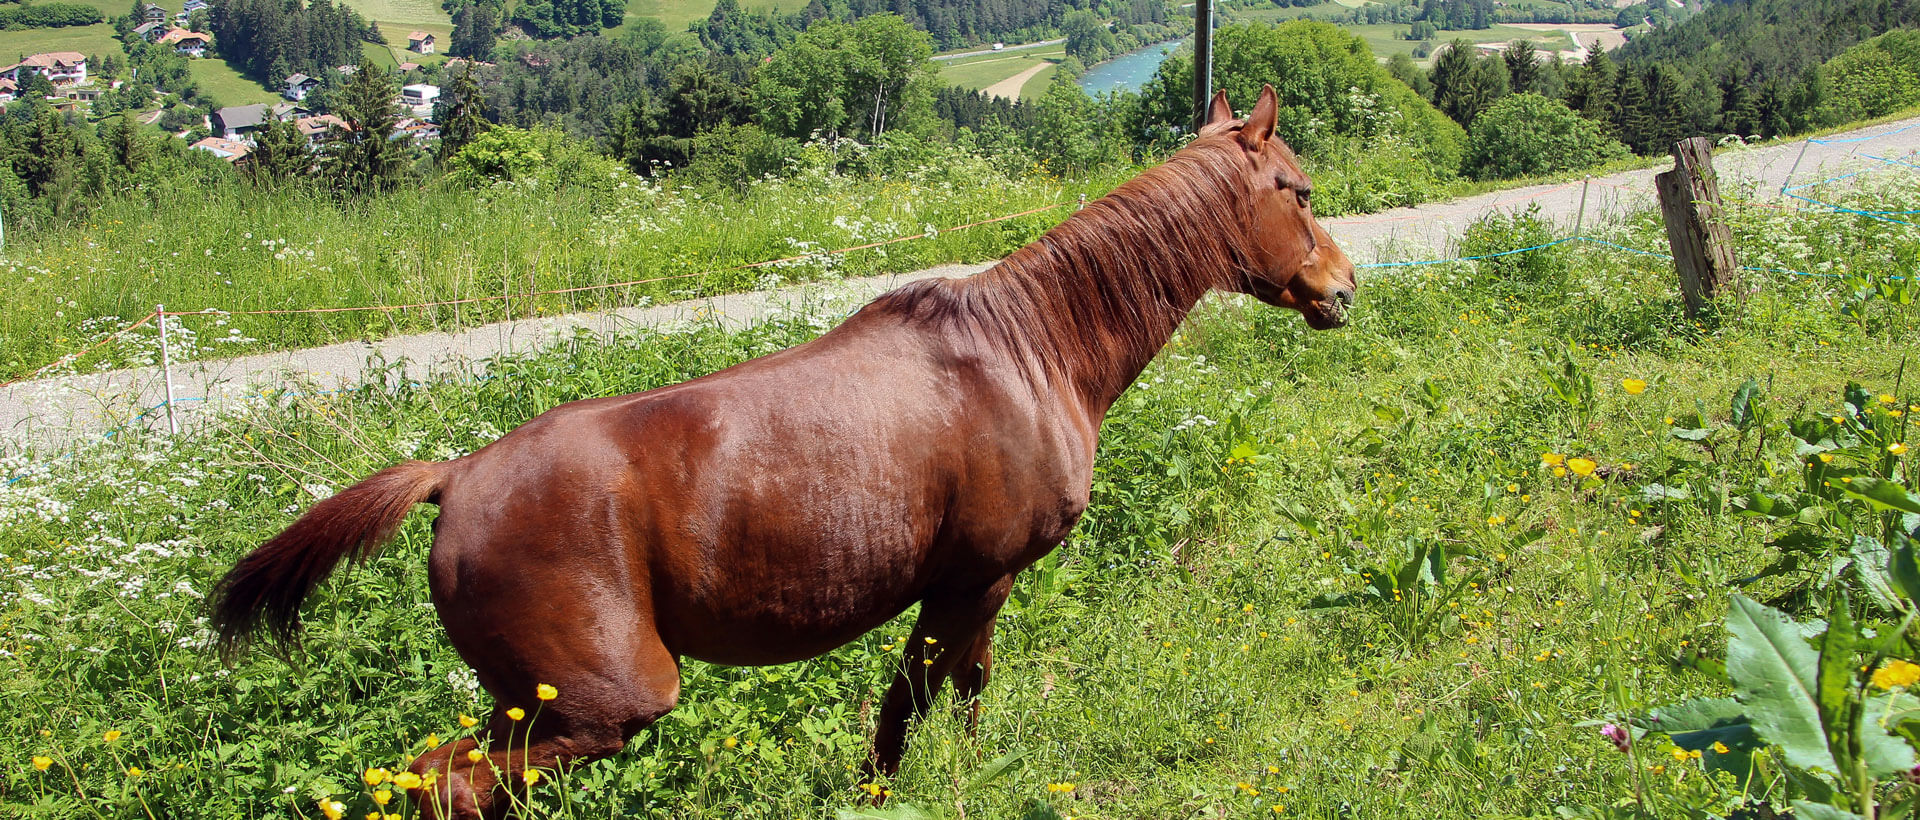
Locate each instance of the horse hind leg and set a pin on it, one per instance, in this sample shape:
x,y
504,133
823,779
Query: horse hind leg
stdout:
x,y
598,705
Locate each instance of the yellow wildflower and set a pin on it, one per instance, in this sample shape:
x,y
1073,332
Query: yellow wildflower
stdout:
x,y
1581,466
1720,748
1552,459
407,780
730,742
516,713
333,809
532,776
112,735
42,763
375,777
134,771
545,692
1826,458
1897,448
1059,788
381,797
475,755
1634,387
1896,673
469,721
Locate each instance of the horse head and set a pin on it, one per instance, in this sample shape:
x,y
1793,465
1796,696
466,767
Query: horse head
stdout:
x,y
1295,263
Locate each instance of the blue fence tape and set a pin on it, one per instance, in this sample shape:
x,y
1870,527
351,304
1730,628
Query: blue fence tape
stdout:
x,y
1867,138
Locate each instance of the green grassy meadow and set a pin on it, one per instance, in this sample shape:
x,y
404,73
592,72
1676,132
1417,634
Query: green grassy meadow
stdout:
x,y
227,86
985,70
238,249
1402,569
90,40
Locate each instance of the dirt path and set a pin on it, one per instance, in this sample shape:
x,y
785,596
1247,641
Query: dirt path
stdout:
x,y
1010,87
53,414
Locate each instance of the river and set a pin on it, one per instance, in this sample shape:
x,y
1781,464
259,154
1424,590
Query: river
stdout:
x,y
1128,71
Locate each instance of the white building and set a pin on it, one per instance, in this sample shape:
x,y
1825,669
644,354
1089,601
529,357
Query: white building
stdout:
x,y
420,97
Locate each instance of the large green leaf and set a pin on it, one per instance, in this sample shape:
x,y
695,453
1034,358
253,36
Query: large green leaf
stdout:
x,y
1885,754
1904,572
1882,494
1700,723
1871,561
897,811
1809,810
1775,674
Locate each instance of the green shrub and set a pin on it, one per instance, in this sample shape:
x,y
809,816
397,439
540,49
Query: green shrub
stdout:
x,y
1530,135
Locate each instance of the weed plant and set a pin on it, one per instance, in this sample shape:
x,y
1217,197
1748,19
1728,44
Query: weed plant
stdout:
x,y
1405,569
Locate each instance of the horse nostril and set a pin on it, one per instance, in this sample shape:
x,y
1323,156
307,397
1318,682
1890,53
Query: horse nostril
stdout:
x,y
1343,296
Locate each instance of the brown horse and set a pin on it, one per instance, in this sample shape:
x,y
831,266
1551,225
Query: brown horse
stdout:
x,y
926,450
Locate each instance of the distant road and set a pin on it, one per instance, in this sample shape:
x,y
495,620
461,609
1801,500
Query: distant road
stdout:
x,y
1001,51
61,411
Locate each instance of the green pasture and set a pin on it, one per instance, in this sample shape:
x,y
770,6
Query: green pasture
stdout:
x,y
1405,569
238,248
89,40
676,14
227,86
983,71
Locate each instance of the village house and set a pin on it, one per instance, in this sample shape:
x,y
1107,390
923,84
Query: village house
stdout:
x,y
420,42
60,68
239,121
189,43
151,31
153,13
229,150
8,90
188,8
420,132
317,128
420,97
299,86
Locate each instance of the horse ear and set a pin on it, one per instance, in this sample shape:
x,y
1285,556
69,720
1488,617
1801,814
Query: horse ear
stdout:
x,y
1259,127
1219,111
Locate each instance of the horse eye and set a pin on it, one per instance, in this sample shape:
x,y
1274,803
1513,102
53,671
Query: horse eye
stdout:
x,y
1305,197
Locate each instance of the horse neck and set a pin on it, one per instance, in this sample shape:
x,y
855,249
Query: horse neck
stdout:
x,y
1107,289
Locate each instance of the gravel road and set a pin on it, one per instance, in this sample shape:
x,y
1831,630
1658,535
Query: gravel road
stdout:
x,y
51,414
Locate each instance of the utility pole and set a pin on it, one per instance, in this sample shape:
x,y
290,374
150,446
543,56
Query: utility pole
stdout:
x,y
1202,60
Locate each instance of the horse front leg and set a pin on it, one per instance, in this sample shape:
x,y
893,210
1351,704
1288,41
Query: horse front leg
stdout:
x,y
943,640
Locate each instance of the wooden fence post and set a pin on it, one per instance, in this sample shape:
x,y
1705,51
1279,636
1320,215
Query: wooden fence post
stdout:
x,y
1696,228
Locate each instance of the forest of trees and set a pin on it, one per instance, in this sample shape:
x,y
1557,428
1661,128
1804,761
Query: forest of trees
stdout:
x,y
750,92
270,39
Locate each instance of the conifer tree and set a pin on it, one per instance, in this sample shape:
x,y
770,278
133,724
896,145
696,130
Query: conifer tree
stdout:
x,y
462,115
363,157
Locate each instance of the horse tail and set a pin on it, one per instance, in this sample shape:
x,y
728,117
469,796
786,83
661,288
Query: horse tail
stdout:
x,y
263,592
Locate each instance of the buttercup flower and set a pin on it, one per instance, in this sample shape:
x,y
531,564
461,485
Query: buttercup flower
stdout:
x,y
516,713
407,780
545,692
475,756
1634,387
375,777
1581,466
333,809
1896,673
532,776
112,735
41,763
1552,459
469,721
1898,448
381,797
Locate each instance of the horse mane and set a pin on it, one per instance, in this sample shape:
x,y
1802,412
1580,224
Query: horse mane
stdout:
x,y
1095,298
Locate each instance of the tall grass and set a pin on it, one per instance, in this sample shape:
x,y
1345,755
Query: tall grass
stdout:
x,y
233,248
1249,622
